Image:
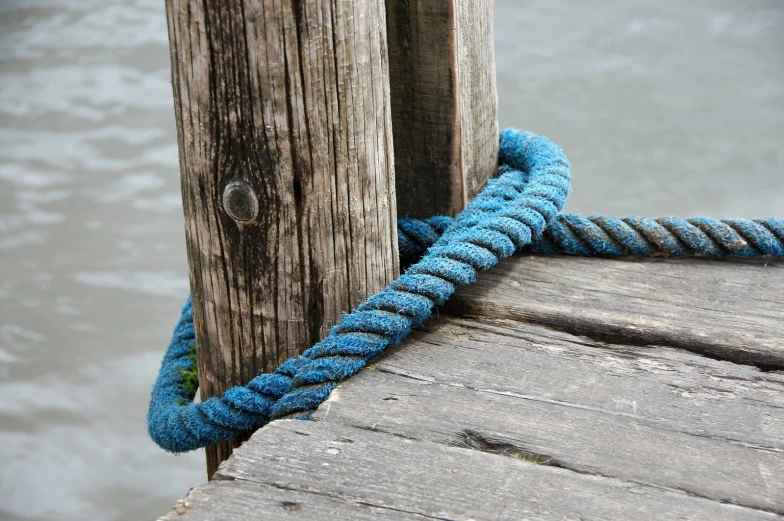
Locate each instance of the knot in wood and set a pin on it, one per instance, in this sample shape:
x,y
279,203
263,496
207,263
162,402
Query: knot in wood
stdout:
x,y
240,201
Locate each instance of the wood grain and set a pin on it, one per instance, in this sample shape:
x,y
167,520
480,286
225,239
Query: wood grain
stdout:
x,y
657,416
730,310
290,101
444,102
237,500
503,414
436,481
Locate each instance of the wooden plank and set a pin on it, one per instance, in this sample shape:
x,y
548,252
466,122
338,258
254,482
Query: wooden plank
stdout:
x,y
285,143
444,102
656,416
667,388
488,417
436,481
723,309
222,500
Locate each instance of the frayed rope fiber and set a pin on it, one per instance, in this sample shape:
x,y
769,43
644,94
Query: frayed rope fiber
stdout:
x,y
517,211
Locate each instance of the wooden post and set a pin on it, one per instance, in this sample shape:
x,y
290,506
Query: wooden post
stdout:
x,y
444,102
285,144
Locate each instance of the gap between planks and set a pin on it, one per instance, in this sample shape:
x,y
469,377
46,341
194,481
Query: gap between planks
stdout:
x,y
729,310
676,420
495,418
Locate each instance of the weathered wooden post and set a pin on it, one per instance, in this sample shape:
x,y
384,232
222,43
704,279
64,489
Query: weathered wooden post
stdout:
x,y
444,102
285,137
285,143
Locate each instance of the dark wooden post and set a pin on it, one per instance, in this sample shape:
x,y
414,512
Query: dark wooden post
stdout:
x,y
285,144
444,102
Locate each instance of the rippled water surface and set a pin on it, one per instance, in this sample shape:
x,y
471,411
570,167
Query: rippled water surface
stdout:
x,y
664,107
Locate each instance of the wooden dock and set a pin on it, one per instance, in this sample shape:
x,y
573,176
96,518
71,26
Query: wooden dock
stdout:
x,y
553,388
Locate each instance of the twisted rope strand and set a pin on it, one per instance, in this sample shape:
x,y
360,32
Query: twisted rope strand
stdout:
x,y
516,211
572,234
512,210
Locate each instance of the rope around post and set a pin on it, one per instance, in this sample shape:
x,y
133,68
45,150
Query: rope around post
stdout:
x,y
516,211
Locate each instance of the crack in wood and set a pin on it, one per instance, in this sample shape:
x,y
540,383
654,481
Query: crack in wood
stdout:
x,y
624,336
656,424
476,441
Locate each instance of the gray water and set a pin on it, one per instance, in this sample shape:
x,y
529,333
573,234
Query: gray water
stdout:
x,y
664,107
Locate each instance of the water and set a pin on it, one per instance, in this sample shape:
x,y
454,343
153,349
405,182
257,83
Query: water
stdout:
x,y
664,107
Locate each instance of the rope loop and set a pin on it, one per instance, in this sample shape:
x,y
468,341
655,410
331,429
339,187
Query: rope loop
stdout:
x,y
517,211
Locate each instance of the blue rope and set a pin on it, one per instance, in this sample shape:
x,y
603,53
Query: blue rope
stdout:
x,y
516,211
571,234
